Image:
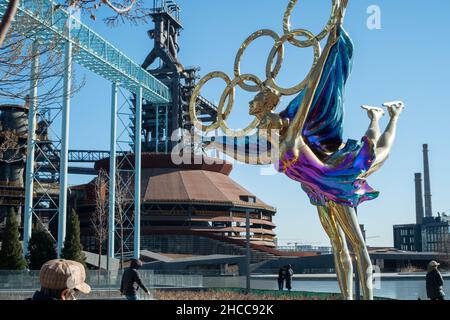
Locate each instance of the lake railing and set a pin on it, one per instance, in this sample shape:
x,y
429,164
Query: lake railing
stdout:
x,y
104,284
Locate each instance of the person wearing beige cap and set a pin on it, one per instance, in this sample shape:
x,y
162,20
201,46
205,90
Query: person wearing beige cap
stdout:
x,y
61,280
434,282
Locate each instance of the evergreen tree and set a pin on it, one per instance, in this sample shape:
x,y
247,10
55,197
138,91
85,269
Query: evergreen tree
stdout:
x,y
11,254
41,248
73,250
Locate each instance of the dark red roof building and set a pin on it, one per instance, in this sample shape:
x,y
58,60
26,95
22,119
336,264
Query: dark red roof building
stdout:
x,y
186,202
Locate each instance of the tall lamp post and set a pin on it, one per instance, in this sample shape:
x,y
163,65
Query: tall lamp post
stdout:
x,y
247,198
247,247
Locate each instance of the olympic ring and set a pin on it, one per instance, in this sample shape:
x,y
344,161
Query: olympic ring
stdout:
x,y
335,5
229,90
244,46
287,37
192,105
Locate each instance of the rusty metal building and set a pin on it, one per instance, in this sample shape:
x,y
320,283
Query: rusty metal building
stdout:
x,y
186,207
13,140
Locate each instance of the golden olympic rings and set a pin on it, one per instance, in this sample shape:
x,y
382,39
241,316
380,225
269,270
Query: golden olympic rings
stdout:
x,y
193,103
244,46
229,92
239,80
222,114
279,44
307,43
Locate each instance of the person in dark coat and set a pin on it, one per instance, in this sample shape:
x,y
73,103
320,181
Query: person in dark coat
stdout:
x,y
288,277
281,274
131,281
434,282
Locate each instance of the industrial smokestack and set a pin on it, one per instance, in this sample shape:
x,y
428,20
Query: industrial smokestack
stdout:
x,y
426,171
419,198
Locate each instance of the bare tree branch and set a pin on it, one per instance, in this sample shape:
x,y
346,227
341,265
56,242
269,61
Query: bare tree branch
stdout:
x,y
99,217
7,19
124,10
120,9
16,57
124,196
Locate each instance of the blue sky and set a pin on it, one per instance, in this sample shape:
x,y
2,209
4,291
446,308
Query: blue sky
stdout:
x,y
407,59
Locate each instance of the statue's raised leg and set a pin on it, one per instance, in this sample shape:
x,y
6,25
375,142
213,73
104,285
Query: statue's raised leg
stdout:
x,y
384,144
374,114
386,141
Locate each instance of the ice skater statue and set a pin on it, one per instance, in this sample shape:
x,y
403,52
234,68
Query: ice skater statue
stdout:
x,y
306,138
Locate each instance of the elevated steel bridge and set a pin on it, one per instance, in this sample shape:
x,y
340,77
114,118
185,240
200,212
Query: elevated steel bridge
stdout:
x,y
44,21
90,50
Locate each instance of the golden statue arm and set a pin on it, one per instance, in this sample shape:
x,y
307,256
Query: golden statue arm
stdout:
x,y
341,12
296,126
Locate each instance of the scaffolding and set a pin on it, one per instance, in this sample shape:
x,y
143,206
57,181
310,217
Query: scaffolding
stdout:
x,y
82,45
123,193
156,128
168,7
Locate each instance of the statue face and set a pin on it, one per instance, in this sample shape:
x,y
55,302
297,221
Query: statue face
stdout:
x,y
257,105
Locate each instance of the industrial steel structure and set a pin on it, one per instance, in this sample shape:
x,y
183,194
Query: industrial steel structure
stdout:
x,y
160,120
148,103
13,150
13,138
430,233
81,45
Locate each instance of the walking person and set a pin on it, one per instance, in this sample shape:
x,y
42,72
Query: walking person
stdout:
x,y
288,277
281,274
61,280
434,282
131,281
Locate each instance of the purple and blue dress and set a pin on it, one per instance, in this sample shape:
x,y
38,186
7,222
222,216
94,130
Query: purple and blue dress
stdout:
x,y
339,179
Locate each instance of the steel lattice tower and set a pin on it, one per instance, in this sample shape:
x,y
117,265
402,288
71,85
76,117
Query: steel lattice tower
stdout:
x,y
160,120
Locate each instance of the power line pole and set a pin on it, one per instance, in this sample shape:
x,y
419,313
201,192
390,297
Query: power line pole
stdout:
x,y
247,247
355,268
